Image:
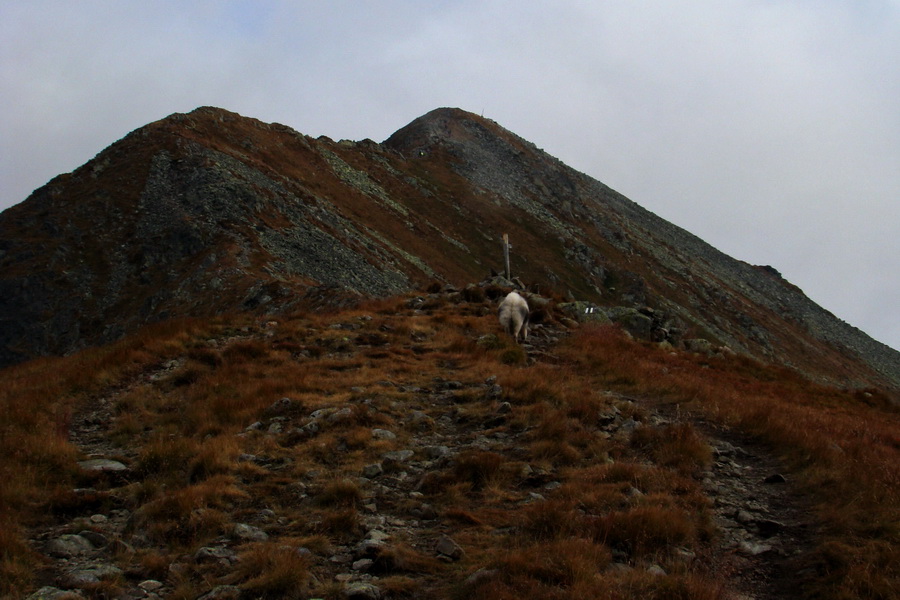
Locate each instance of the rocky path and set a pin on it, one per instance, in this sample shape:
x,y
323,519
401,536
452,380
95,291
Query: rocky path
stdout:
x,y
763,525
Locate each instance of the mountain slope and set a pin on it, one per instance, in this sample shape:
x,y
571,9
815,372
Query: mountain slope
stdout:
x,y
211,212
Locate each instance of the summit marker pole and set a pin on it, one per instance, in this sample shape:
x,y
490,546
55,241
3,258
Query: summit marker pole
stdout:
x,y
506,254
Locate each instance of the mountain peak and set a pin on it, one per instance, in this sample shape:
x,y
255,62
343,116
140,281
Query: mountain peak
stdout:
x,y
440,125
209,211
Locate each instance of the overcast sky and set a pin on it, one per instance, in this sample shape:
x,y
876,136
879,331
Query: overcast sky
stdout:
x,y
771,129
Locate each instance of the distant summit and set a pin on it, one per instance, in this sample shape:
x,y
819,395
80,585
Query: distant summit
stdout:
x,y
209,212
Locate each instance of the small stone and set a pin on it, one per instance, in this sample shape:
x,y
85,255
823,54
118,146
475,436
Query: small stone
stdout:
x,y
362,591
99,519
743,517
98,540
754,549
372,471
79,579
367,548
656,570
249,533
775,478
150,585
222,592
67,546
102,465
340,415
378,535
214,554
447,547
397,456
51,593
383,434
435,452
282,406
362,564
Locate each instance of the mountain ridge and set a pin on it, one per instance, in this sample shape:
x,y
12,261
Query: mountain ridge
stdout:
x,y
209,212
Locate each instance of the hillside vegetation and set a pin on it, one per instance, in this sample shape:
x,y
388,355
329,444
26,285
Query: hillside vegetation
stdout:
x,y
405,448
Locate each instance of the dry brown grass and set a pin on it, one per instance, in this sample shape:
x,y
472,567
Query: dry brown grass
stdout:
x,y
842,446
637,496
271,571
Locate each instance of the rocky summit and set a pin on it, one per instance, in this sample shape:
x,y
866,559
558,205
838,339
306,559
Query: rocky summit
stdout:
x,y
211,212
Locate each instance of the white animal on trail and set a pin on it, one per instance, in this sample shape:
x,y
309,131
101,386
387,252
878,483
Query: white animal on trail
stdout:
x,y
513,313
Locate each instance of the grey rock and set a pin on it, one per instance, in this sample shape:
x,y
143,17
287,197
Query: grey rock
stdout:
x,y
102,465
699,345
368,548
282,406
656,570
214,554
435,452
363,564
632,321
150,585
340,415
585,312
83,578
744,518
362,591
383,434
98,540
397,456
249,533
69,545
447,547
372,471
51,593
222,592
377,535
753,549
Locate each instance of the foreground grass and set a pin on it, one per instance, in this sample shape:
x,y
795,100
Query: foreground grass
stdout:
x,y
843,446
186,430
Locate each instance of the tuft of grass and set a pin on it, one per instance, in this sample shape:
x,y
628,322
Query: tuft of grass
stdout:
x,y
678,446
341,493
513,355
341,524
646,530
478,468
401,558
560,569
271,571
192,514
